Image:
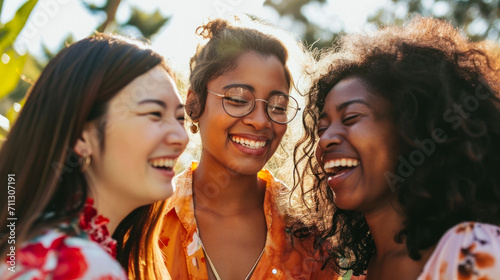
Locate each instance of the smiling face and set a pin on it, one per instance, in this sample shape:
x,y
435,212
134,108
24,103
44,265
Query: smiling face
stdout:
x,y
243,144
358,145
143,137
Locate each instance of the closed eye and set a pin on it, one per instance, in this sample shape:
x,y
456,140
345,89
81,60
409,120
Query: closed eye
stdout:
x,y
156,114
350,119
236,101
278,109
320,131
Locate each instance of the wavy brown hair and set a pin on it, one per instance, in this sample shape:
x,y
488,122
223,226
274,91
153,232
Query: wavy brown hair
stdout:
x,y
435,79
75,88
227,41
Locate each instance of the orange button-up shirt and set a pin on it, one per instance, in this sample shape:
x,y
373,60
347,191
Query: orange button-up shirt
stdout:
x,y
184,255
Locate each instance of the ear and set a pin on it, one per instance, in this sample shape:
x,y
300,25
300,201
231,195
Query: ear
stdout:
x,y
192,104
83,146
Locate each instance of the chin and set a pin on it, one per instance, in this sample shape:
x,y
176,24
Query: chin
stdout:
x,y
246,166
246,170
345,204
162,193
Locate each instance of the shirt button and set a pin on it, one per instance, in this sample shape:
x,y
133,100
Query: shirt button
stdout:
x,y
274,271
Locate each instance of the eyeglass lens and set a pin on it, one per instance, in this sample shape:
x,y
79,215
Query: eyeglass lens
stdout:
x,y
239,102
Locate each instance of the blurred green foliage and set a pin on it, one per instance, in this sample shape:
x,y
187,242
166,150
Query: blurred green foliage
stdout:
x,y
11,63
480,19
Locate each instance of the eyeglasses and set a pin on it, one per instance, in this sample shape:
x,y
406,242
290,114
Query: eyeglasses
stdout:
x,y
239,101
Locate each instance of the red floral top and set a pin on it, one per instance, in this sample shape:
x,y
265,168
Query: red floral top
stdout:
x,y
82,249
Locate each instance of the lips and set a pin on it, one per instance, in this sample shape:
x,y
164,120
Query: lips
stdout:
x,y
334,166
338,167
164,164
251,145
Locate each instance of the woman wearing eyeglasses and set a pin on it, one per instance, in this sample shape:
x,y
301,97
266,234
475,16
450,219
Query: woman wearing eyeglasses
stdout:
x,y
223,220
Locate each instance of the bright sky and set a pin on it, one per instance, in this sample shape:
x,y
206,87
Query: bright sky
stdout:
x,y
53,20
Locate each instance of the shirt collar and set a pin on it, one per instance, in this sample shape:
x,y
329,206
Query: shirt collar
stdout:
x,y
182,199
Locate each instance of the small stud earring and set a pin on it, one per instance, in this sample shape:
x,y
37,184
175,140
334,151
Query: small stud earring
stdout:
x,y
194,128
84,161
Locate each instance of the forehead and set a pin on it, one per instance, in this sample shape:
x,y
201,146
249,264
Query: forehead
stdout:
x,y
353,88
254,68
155,83
348,89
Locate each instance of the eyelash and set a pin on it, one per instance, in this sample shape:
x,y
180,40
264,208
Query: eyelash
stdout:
x,y
156,114
349,118
160,115
320,131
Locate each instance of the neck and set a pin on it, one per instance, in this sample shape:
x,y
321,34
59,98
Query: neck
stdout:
x,y
221,190
114,212
110,204
384,223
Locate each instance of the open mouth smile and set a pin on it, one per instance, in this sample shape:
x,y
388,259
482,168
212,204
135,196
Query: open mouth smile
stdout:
x,y
248,143
338,167
164,164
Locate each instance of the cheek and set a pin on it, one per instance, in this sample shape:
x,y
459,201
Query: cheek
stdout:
x,y
280,130
385,150
133,141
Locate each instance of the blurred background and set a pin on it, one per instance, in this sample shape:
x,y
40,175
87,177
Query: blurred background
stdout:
x,y
32,31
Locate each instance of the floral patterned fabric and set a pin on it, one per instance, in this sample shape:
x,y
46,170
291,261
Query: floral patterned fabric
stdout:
x,y
82,249
184,255
468,251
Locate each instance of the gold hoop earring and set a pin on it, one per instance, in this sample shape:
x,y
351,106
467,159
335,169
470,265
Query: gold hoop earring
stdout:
x,y
194,128
84,162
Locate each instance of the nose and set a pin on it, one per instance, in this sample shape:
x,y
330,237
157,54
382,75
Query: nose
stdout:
x,y
176,136
331,137
258,118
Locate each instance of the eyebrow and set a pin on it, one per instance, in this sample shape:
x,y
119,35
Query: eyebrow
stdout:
x,y
159,102
250,88
345,105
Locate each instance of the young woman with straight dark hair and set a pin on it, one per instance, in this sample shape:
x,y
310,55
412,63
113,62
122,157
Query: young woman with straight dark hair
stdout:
x,y
94,144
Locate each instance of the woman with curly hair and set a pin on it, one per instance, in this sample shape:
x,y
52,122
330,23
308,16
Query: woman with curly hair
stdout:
x,y
405,125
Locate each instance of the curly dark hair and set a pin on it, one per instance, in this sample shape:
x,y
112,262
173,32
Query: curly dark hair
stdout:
x,y
438,82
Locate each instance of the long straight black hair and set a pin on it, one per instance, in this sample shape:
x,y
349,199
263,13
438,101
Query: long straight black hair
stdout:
x,y
74,88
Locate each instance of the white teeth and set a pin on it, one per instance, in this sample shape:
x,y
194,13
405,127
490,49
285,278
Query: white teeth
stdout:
x,y
252,144
330,165
163,162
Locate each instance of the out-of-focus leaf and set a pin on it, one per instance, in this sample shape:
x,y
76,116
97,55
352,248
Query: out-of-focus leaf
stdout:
x,y
94,9
47,52
148,23
12,113
11,29
10,71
